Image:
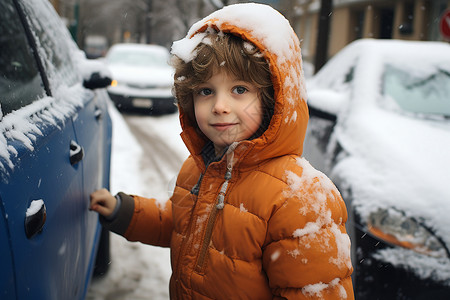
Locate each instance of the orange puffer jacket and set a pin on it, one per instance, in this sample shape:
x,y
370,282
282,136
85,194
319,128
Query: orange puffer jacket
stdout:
x,y
264,224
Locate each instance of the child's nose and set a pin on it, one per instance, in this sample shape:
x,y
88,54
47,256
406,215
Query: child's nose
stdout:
x,y
221,105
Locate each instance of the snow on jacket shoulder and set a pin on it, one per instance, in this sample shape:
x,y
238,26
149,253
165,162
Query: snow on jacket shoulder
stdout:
x,y
261,223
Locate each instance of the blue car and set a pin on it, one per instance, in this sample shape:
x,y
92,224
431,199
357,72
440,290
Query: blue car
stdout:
x,y
55,149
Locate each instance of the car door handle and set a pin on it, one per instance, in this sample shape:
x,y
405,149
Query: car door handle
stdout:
x,y
35,218
76,153
98,114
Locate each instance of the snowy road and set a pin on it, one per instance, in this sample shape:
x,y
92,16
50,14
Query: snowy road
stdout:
x,y
147,155
160,161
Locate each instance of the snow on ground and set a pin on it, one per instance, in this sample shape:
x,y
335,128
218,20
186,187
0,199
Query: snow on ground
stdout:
x,y
137,271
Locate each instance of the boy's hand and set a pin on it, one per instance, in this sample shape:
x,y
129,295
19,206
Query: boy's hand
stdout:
x,y
103,202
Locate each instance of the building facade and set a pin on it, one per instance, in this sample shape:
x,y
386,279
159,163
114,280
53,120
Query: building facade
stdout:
x,y
380,19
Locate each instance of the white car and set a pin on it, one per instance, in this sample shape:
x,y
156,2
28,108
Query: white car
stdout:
x,y
142,78
380,129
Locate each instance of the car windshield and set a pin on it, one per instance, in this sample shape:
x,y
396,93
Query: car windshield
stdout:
x,y
425,92
138,58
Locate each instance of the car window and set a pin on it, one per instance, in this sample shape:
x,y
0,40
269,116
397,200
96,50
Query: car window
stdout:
x,y
53,43
425,93
20,81
138,58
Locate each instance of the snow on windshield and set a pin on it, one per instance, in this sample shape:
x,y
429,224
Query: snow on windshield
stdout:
x,y
428,93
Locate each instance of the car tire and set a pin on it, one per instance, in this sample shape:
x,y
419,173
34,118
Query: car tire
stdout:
x,y
103,258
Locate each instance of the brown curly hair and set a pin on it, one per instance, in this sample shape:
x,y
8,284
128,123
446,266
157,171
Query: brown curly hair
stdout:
x,y
237,57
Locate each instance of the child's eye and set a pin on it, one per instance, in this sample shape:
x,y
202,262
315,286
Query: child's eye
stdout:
x,y
240,90
205,92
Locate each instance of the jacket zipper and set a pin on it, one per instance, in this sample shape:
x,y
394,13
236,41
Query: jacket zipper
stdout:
x,y
219,205
194,192
207,240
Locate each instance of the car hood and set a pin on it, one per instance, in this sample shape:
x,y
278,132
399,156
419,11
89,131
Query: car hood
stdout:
x,y
155,76
398,161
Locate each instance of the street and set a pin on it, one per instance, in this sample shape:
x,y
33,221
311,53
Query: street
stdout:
x,y
140,271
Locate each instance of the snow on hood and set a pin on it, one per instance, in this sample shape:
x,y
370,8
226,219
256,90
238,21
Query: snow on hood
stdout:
x,y
272,34
406,159
142,76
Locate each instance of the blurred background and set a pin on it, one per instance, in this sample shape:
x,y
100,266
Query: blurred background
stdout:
x,y
324,26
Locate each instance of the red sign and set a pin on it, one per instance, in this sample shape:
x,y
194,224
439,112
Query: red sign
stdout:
x,y
444,25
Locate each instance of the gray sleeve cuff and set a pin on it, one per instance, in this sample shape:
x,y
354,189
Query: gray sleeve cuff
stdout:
x,y
116,209
120,219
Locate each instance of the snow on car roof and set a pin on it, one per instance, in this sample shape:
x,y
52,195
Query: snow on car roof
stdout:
x,y
371,54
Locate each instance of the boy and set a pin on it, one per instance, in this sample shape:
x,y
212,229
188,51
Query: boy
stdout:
x,y
249,218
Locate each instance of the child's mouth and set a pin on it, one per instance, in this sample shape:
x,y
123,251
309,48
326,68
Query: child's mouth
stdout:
x,y
223,126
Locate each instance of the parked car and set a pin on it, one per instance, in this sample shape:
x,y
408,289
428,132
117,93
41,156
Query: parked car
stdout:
x,y
380,129
55,146
95,46
142,78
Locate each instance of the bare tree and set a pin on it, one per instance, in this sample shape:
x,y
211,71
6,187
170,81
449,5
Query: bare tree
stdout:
x,y
142,21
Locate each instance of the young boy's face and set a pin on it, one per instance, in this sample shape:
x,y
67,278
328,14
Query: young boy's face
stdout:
x,y
227,110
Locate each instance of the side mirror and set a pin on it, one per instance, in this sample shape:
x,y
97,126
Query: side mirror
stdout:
x,y
325,104
97,81
96,74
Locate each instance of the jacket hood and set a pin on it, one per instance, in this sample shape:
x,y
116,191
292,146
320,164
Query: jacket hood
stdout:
x,y
272,34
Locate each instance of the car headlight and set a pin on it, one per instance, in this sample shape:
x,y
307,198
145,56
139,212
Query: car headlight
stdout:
x,y
114,83
395,228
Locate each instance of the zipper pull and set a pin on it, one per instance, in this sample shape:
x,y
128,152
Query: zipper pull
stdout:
x,y
221,201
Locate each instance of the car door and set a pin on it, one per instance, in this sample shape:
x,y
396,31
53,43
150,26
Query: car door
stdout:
x,y
92,124
41,183
93,132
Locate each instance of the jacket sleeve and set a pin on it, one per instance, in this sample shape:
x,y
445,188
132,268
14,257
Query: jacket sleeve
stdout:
x,y
307,252
143,220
